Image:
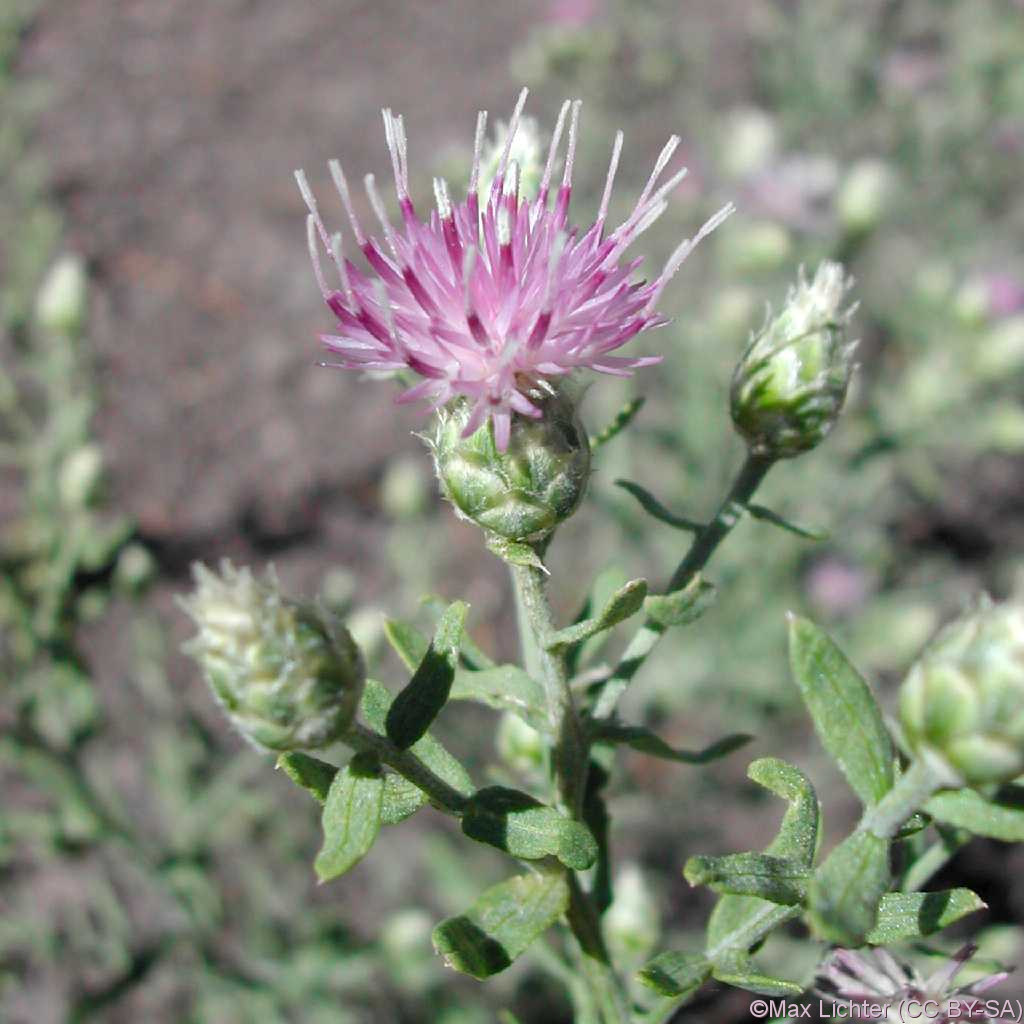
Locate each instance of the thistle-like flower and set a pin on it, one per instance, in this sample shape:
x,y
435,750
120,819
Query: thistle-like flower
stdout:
x,y
495,296
875,978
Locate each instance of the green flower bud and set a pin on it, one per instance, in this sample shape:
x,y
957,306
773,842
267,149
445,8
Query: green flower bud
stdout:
x,y
962,703
789,387
523,493
288,674
519,745
866,195
62,299
80,475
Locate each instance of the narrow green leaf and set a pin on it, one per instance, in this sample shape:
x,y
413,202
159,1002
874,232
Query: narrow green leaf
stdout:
x,y
375,705
846,716
682,606
408,642
766,515
622,419
739,923
1002,818
913,915
675,974
351,817
847,889
776,879
626,601
512,552
401,799
308,772
419,703
640,738
473,657
653,507
797,838
741,972
522,826
505,688
606,583
502,923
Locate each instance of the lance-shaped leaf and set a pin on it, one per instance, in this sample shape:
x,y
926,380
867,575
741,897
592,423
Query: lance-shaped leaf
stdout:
x,y
766,515
418,704
514,552
675,974
505,688
681,607
846,716
310,773
502,923
640,738
375,706
844,896
606,583
408,642
741,972
1002,818
473,657
626,601
622,419
401,800
913,915
522,826
653,507
351,818
776,879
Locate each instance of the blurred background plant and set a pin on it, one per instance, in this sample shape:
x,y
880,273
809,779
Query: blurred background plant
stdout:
x,y
158,404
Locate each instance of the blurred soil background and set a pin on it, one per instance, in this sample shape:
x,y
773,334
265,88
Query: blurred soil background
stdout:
x,y
151,867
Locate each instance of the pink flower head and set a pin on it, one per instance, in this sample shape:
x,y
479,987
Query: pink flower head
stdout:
x,y
493,303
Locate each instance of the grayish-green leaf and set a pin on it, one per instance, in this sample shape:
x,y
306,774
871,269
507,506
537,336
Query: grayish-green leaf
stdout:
x,y
766,515
513,552
675,974
505,688
681,607
502,923
308,772
776,879
798,834
741,972
522,826
968,809
912,915
847,889
642,739
473,657
351,817
401,800
408,641
846,716
622,419
419,703
653,507
626,601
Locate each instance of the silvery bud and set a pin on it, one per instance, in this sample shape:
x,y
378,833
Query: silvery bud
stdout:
x,y
789,387
62,299
287,673
866,195
523,493
962,703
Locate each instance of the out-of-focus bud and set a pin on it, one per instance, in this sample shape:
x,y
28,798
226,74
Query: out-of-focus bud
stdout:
x,y
519,745
631,923
865,196
135,568
759,247
80,475
789,387
405,488
526,153
523,493
962,703
288,674
62,299
749,142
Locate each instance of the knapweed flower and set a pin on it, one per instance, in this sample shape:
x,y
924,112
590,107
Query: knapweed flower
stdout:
x,y
876,979
287,673
493,297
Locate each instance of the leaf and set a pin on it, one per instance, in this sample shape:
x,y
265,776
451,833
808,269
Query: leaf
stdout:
x,y
741,972
681,607
675,974
640,738
626,601
473,657
401,799
776,879
419,703
408,642
505,688
606,583
913,915
969,810
513,552
351,818
622,419
522,826
766,515
846,716
847,889
375,705
308,772
502,923
653,507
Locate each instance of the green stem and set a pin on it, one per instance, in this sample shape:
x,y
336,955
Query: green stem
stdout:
x,y
912,791
704,544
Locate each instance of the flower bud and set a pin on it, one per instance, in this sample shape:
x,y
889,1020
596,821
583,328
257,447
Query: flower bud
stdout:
x,y
866,195
523,493
962,703
789,387
288,674
62,299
